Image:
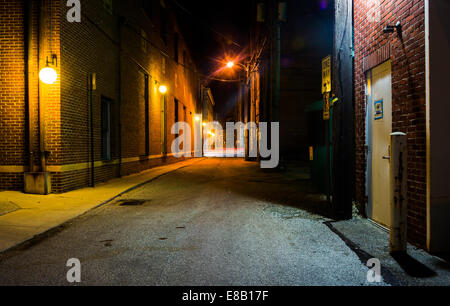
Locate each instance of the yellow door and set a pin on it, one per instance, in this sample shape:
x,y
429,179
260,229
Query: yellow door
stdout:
x,y
381,103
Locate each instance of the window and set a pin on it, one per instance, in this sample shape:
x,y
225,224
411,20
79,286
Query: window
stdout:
x,y
177,119
163,65
108,6
106,128
147,7
144,42
185,64
163,25
176,46
176,110
147,115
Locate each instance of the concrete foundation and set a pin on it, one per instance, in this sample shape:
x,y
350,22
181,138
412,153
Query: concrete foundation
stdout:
x,y
38,183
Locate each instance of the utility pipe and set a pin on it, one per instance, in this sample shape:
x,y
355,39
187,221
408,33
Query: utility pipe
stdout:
x,y
29,81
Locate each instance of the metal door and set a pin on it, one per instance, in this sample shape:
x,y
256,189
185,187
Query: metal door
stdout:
x,y
381,129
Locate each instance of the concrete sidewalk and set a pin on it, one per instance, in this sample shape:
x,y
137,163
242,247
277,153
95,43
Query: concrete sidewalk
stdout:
x,y
417,268
24,216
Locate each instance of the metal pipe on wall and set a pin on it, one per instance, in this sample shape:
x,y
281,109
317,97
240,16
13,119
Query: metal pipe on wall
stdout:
x,y
29,81
42,89
91,117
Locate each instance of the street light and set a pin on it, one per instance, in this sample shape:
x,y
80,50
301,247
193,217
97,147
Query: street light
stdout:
x,y
163,89
48,75
231,65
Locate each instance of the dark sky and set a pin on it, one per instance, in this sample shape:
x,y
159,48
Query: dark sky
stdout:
x,y
218,28
308,31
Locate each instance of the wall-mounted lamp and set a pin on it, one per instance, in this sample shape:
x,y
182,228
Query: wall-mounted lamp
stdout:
x,y
48,75
163,89
391,28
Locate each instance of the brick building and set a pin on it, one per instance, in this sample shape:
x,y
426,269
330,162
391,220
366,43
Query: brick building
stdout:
x,y
104,116
401,64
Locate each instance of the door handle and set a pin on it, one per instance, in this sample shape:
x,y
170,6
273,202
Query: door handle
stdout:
x,y
387,157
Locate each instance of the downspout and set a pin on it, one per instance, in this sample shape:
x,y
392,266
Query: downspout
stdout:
x,y
121,21
42,89
29,80
428,126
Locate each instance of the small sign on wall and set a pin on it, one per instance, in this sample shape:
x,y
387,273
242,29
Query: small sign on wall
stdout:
x,y
379,110
326,74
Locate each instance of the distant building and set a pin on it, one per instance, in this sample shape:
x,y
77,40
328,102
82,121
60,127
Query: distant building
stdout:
x,y
208,105
69,135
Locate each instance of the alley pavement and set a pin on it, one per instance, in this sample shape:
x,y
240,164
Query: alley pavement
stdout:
x,y
216,222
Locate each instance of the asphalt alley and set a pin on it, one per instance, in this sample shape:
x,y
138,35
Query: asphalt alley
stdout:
x,y
218,222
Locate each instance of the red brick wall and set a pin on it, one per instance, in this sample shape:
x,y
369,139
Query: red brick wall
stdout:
x,y
13,118
408,93
84,48
87,47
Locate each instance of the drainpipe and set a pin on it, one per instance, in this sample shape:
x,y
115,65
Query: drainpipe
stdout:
x,y
42,89
121,21
91,117
29,77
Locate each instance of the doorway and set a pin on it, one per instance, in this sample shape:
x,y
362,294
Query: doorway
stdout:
x,y
164,125
379,131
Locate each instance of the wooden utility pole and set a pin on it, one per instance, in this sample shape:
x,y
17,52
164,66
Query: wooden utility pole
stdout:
x,y
343,110
275,59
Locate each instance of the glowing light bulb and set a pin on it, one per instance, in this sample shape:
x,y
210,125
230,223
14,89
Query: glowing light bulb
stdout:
x,y
162,89
48,75
230,64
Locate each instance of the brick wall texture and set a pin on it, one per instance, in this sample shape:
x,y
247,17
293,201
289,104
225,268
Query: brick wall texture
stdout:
x,y
407,54
131,57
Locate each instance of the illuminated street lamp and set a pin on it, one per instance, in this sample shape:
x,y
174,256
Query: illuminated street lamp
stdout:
x,y
163,89
231,65
48,75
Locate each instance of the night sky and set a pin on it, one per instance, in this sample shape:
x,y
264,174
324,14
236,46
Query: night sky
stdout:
x,y
207,22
